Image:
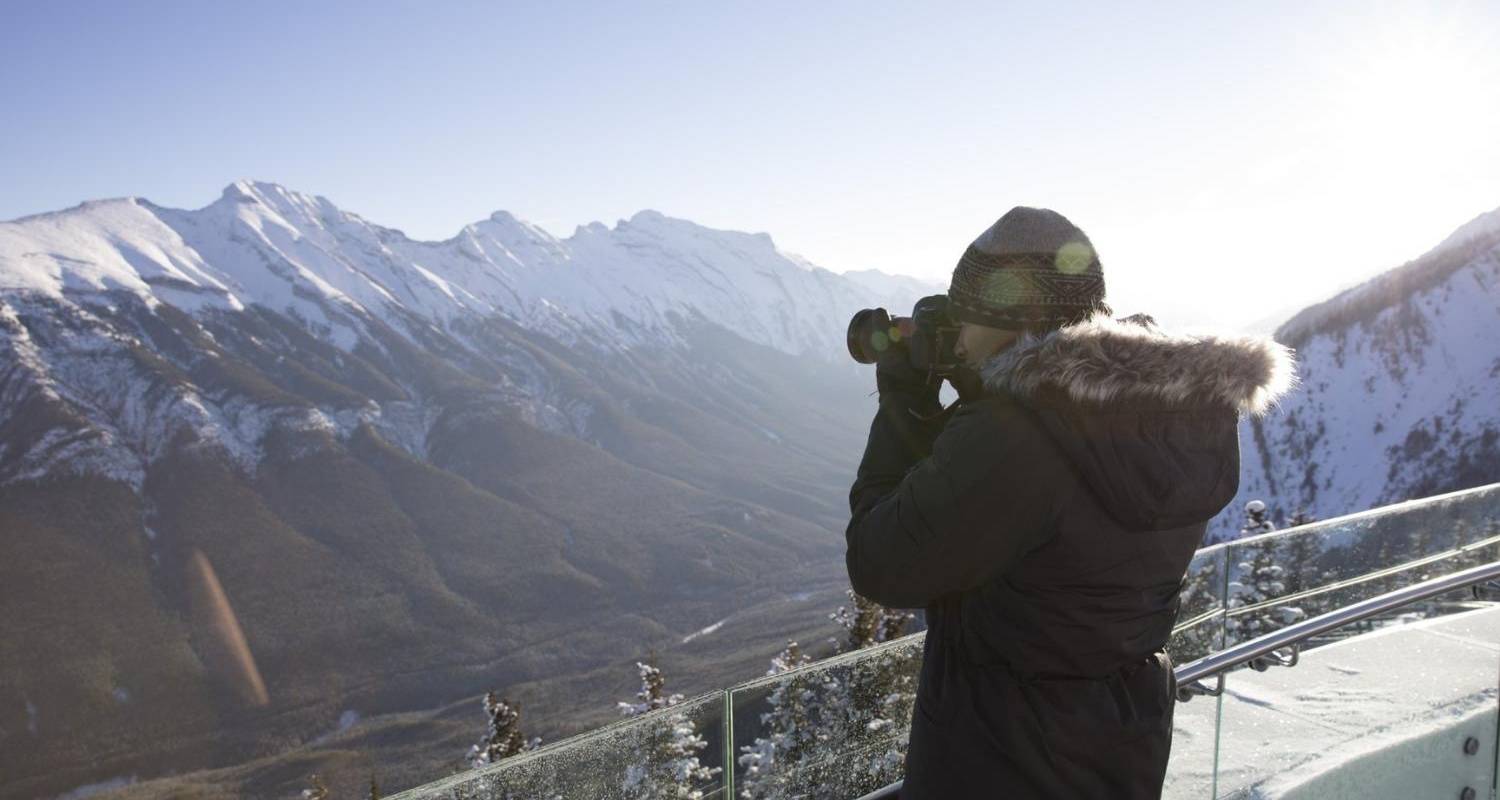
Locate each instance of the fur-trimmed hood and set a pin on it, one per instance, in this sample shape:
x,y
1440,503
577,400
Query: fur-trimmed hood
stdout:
x,y
1102,360
1147,418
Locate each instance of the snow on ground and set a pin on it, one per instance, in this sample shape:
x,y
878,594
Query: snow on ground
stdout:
x,y
1375,716
706,631
92,789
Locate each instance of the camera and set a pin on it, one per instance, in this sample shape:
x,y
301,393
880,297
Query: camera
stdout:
x,y
927,337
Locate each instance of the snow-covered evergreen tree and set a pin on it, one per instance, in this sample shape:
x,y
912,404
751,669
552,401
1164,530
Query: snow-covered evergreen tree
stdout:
x,y
790,733
1300,517
1301,553
652,694
1257,519
867,623
871,695
374,793
1200,594
315,789
669,767
503,737
1261,579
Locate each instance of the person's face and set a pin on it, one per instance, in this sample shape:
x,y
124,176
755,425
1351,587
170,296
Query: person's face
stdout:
x,y
976,343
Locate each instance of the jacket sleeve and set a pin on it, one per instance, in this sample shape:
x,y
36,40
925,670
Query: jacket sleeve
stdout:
x,y
983,497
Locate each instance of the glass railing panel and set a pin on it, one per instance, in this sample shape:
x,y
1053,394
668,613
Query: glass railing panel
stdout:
x,y
1401,712
1280,578
1200,616
1195,740
837,728
672,752
1199,631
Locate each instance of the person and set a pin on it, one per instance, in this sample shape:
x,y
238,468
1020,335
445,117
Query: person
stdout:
x,y
1046,520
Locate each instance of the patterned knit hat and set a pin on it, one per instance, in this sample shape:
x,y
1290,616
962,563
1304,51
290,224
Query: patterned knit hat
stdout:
x,y
1032,270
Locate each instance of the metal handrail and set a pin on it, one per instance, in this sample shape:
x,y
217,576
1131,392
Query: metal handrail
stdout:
x,y
1217,663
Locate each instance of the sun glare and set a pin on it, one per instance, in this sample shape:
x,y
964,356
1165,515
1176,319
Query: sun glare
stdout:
x,y
1419,86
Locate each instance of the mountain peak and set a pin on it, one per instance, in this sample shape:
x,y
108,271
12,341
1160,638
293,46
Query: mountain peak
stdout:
x,y
249,191
238,192
647,215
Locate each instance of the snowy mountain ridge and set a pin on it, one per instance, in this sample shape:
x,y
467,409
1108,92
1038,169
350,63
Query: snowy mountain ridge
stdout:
x,y
262,244
1400,377
82,290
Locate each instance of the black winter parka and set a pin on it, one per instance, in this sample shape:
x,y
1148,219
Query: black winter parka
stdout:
x,y
1046,527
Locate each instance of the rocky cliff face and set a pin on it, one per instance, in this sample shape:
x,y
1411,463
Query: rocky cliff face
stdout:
x,y
1400,394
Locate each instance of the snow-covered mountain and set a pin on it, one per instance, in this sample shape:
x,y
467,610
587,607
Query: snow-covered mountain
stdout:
x,y
261,244
417,470
1400,389
340,277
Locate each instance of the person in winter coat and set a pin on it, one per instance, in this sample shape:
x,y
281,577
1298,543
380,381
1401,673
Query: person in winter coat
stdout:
x,y
1046,521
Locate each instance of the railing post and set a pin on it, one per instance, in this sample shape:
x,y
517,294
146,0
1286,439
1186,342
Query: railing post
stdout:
x,y
1495,768
728,744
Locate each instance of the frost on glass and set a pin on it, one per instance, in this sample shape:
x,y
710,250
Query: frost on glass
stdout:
x,y
1281,578
837,728
637,759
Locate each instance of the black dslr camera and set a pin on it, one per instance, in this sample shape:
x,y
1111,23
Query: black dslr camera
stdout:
x,y
927,336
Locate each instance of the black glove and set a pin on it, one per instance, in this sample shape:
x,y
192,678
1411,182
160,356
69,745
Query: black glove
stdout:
x,y
898,381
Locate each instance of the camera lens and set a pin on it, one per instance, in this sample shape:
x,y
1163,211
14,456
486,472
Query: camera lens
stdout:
x,y
867,335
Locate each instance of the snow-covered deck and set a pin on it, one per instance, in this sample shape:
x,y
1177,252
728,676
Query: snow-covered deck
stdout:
x,y
1381,715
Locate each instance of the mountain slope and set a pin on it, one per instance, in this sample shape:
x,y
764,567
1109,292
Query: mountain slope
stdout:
x,y
1400,377
290,464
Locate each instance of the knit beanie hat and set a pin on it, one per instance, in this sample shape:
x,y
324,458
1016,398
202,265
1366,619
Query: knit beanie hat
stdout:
x,y
1032,270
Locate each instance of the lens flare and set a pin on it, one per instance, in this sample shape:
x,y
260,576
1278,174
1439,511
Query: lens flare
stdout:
x,y
221,642
1074,257
1003,287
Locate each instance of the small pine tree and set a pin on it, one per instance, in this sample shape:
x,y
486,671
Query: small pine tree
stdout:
x,y
652,694
315,790
861,623
872,696
374,793
894,623
1301,553
790,733
669,767
1200,593
1257,519
1261,580
1300,517
503,738
867,623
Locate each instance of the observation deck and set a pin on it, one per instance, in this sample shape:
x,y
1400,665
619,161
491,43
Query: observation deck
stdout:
x,y
1353,658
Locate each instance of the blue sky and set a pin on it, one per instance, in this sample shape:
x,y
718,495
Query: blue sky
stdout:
x,y
1265,154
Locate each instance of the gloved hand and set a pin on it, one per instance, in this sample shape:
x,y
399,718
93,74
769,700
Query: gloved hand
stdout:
x,y
902,433
897,379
